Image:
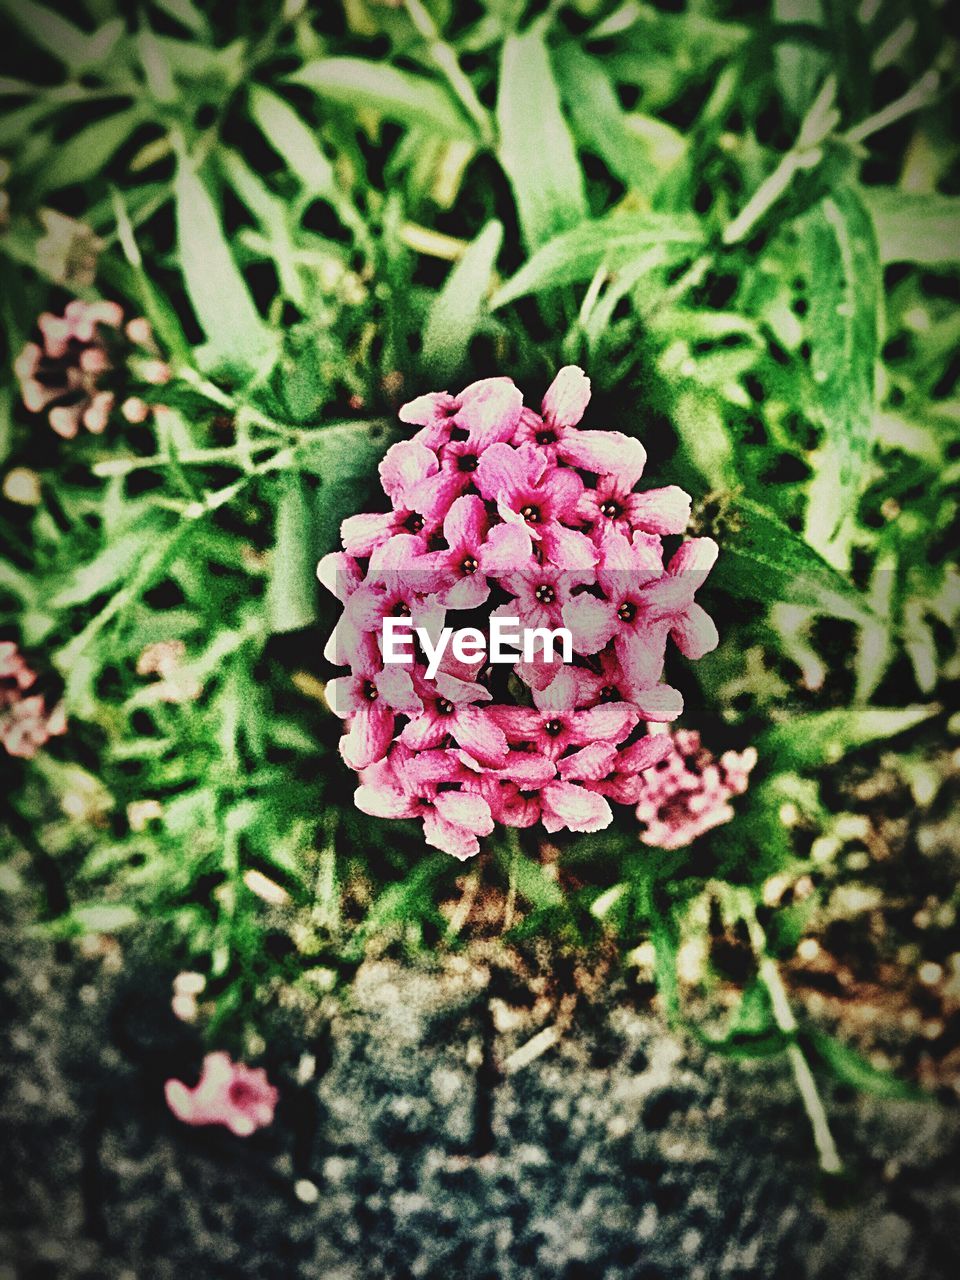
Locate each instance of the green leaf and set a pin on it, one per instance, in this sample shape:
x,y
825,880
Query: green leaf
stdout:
x,y
913,227
70,46
156,68
839,250
850,1067
109,567
536,149
218,293
292,593
345,457
602,125
290,138
272,214
827,735
614,242
762,559
87,153
403,96
457,308
186,13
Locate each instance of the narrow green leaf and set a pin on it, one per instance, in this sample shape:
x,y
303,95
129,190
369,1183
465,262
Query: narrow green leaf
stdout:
x,y
290,138
852,1068
109,567
825,736
602,126
60,38
457,308
292,593
156,68
402,96
236,336
87,153
272,214
845,283
186,13
763,559
613,242
536,149
912,227
345,457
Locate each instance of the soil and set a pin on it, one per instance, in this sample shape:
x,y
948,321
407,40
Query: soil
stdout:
x,y
425,1132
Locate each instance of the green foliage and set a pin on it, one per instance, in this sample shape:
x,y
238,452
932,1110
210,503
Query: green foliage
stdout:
x,y
749,239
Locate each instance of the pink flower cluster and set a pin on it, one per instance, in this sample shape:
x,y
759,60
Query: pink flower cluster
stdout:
x,y
63,374
229,1093
688,791
25,722
496,509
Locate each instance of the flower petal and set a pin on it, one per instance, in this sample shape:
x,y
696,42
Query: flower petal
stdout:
x,y
567,806
605,453
567,397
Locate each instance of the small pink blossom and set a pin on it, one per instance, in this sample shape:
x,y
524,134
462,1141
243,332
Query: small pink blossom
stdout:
x,y
165,659
69,372
687,792
26,724
239,1097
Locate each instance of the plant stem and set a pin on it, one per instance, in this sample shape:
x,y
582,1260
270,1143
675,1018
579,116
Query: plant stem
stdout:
x,y
444,55
769,975
512,846
188,457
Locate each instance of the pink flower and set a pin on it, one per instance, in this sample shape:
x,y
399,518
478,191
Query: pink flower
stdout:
x,y
475,552
450,709
641,604
603,453
553,724
497,511
407,785
25,722
687,792
613,503
229,1093
63,374
370,699
484,412
537,496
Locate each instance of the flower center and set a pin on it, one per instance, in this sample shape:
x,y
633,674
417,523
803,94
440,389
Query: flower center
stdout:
x,y
444,707
609,694
545,593
546,437
530,513
370,691
414,523
611,509
468,462
553,727
401,610
627,611
470,565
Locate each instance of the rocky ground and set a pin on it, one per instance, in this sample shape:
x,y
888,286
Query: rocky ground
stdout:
x,y
425,1131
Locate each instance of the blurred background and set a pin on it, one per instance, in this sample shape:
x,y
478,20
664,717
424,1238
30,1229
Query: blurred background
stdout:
x,y
234,239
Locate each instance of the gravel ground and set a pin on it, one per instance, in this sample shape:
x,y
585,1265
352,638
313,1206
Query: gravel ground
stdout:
x,y
425,1145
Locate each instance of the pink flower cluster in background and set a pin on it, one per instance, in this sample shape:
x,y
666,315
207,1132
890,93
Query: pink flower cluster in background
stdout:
x,y
498,509
688,791
228,1093
65,373
25,722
